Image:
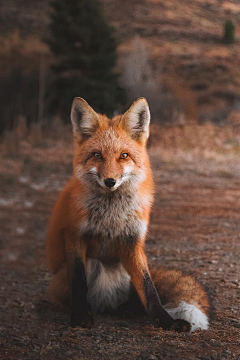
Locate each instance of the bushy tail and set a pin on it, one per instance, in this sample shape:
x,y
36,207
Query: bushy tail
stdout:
x,y
182,297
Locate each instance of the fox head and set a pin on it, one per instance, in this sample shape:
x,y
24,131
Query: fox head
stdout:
x,y
110,153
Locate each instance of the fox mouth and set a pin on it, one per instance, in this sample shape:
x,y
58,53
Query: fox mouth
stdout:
x,y
100,181
112,188
108,189
95,178
119,182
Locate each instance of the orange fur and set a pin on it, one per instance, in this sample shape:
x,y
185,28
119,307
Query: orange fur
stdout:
x,y
136,265
173,287
67,214
82,226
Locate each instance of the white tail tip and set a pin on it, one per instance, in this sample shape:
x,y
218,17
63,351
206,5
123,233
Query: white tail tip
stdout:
x,y
190,313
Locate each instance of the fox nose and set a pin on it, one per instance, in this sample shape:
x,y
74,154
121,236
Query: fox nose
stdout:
x,y
109,182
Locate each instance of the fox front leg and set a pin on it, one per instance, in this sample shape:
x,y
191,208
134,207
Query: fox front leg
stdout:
x,y
79,306
136,265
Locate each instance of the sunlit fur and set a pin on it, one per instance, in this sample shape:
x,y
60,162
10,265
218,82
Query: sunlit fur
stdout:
x,y
111,141
101,225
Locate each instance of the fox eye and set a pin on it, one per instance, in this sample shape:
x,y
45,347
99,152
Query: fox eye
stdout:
x,y
124,156
97,155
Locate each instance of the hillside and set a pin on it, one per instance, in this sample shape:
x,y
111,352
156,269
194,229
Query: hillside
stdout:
x,y
184,38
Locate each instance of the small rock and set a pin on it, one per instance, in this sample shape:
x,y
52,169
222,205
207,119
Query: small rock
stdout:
x,y
69,353
237,325
204,345
97,338
228,352
20,230
109,337
152,357
28,204
216,344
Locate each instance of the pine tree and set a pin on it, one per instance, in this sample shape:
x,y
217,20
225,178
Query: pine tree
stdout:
x,y
229,32
85,53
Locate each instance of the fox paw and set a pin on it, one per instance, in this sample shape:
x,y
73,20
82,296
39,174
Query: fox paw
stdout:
x,y
180,325
84,322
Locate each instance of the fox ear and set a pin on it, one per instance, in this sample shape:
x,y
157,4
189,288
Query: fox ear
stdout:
x,y
136,120
85,120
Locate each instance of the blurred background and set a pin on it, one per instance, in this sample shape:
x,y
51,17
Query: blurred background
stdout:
x,y
184,57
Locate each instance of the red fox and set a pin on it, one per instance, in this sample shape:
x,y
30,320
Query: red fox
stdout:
x,y
95,242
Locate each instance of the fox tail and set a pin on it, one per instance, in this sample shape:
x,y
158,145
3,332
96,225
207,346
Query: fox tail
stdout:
x,y
182,297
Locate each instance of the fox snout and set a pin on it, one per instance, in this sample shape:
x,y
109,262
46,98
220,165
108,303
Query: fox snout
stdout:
x,y
104,181
109,182
112,180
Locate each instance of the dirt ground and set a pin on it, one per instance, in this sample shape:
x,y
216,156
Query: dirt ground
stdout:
x,y
195,227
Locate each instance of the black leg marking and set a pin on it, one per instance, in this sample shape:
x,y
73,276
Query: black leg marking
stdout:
x,y
157,312
154,306
79,308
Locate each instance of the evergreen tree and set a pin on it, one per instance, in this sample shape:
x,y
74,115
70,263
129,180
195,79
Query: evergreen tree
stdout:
x,y
229,32
85,53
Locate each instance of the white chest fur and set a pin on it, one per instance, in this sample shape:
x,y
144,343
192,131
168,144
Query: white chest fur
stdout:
x,y
108,287
114,216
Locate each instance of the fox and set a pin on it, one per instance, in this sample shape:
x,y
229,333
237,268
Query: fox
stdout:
x,y
95,246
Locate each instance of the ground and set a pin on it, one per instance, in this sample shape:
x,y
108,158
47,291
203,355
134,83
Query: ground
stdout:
x,y
195,226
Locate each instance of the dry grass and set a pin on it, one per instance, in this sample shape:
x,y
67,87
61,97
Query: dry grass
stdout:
x,y
191,141
40,143
15,43
188,142
23,53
